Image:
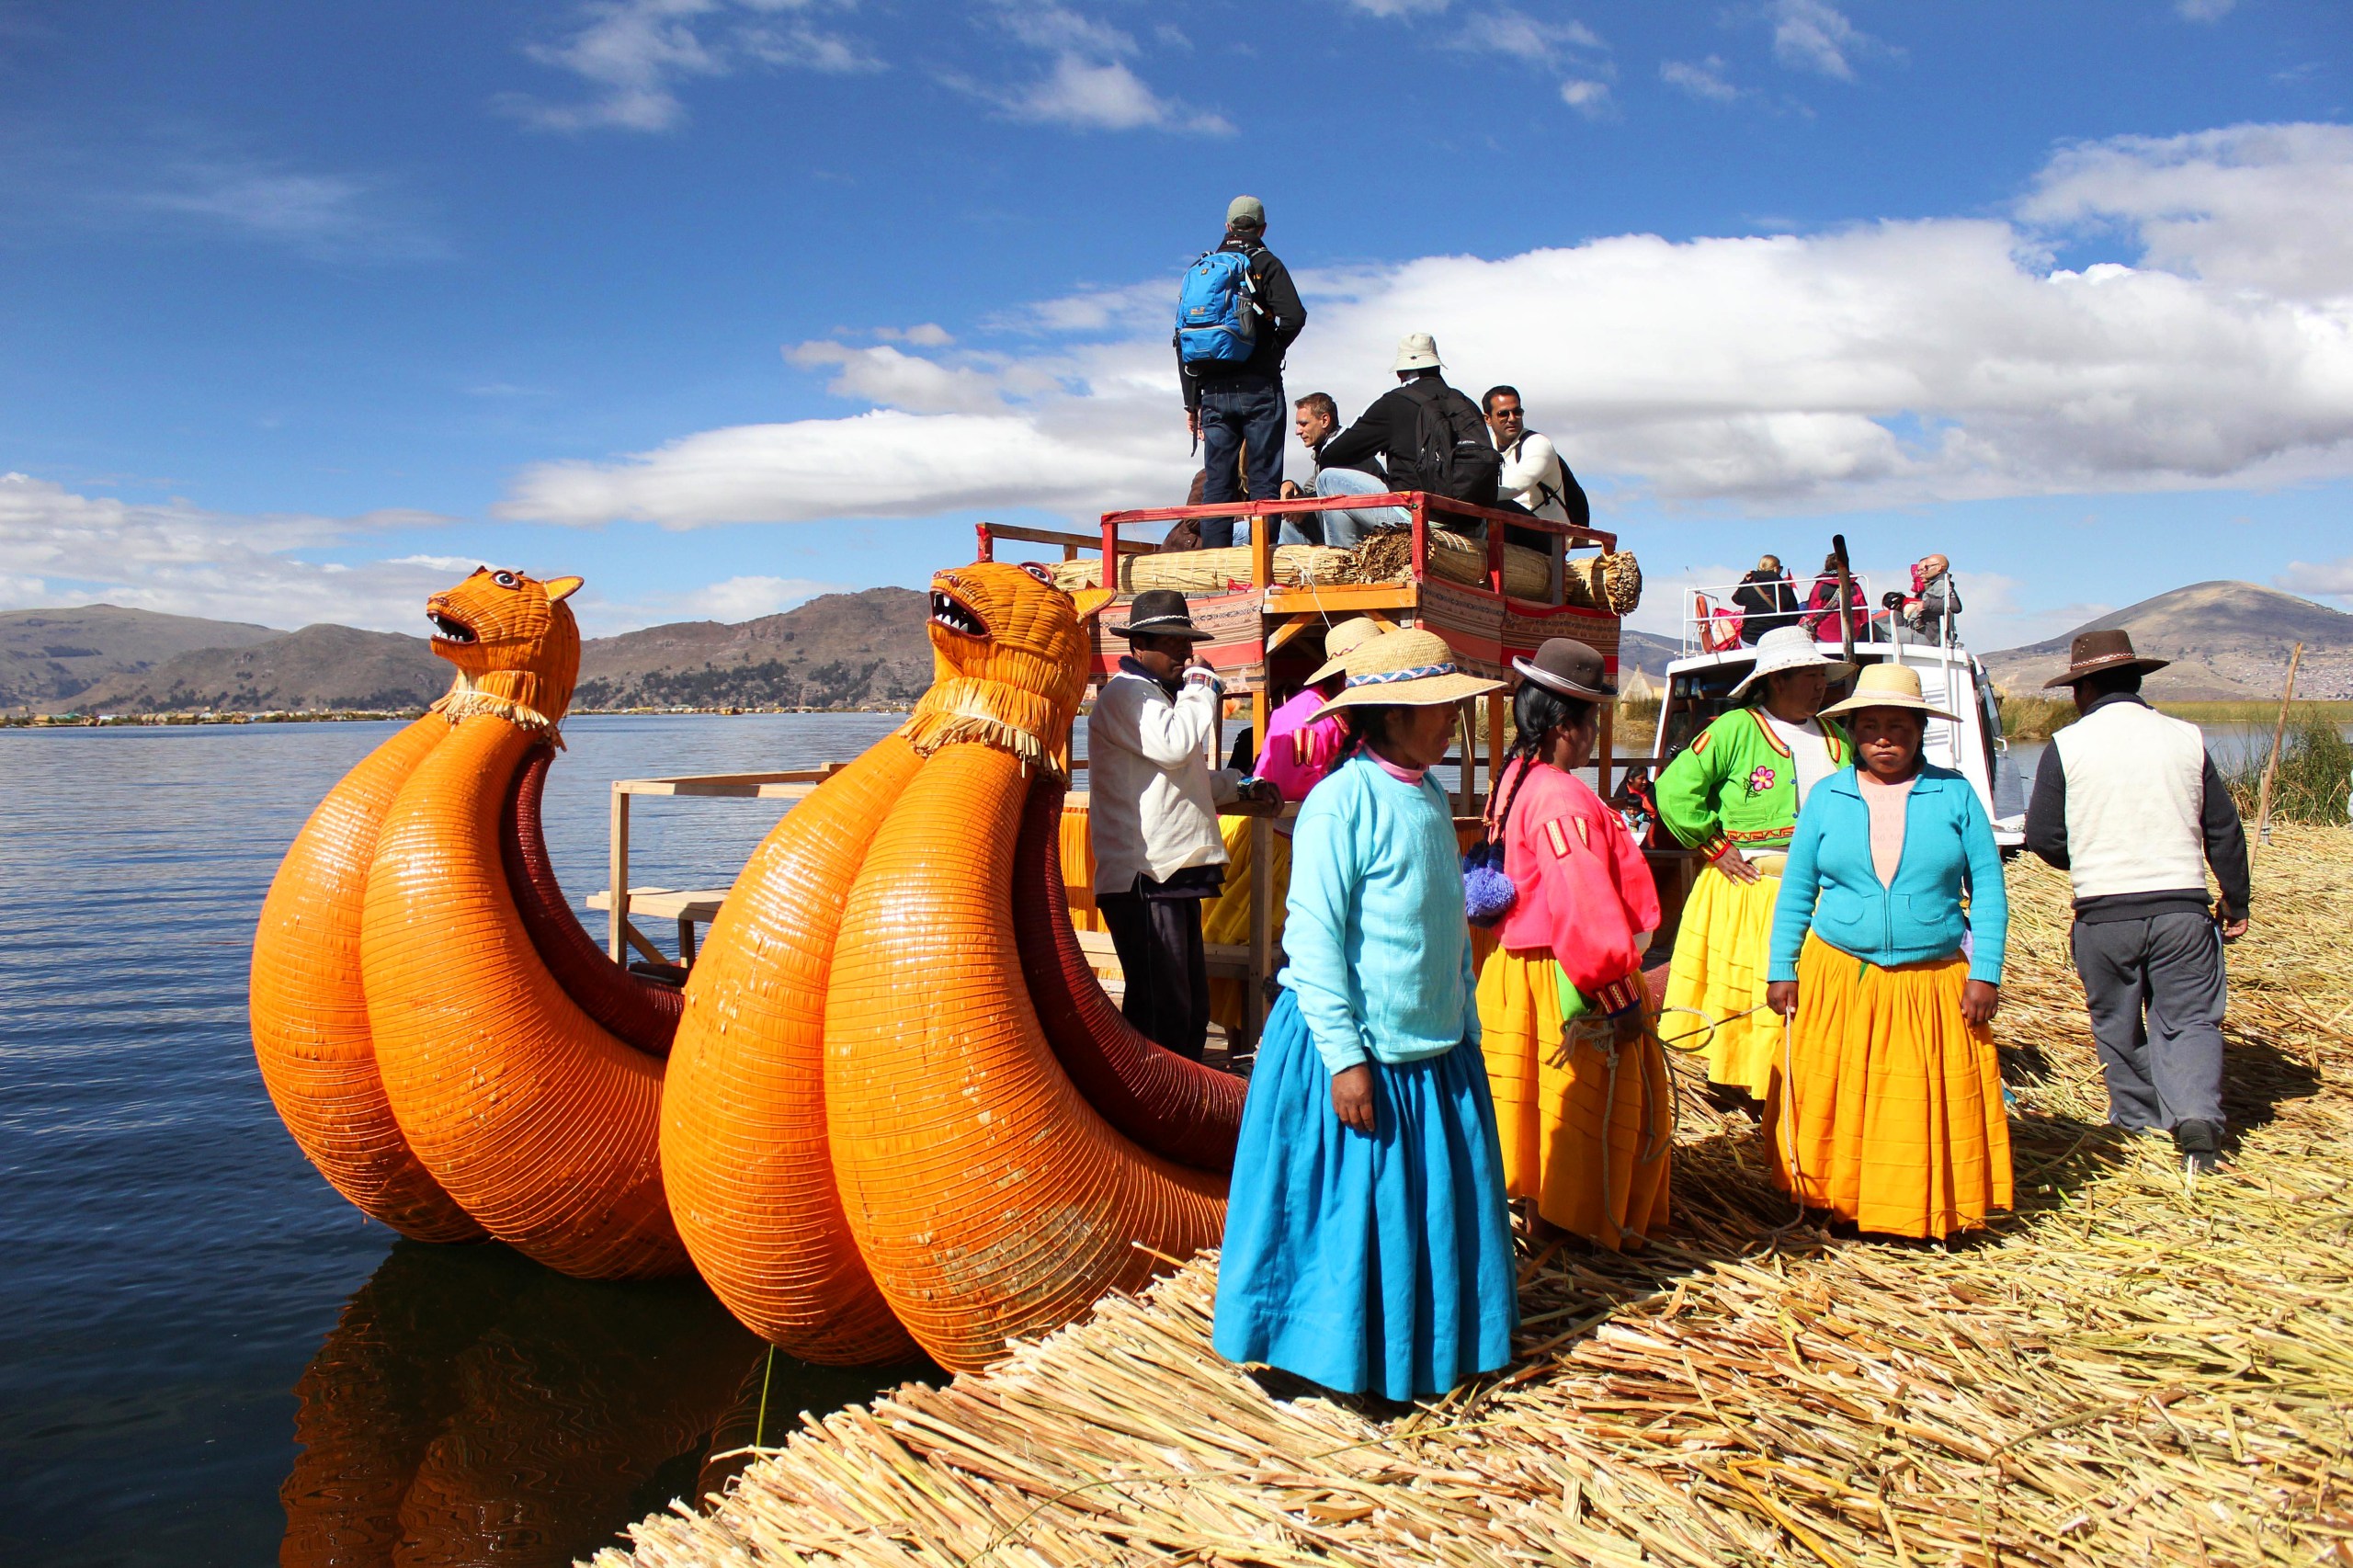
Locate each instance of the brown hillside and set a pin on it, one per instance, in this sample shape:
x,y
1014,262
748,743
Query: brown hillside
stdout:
x,y
839,651
2228,641
49,658
318,667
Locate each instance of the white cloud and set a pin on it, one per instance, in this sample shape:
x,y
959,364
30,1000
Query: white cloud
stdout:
x,y
1506,31
2330,579
1891,364
332,216
1398,7
1586,96
2204,10
923,334
734,599
1103,95
2238,207
1813,35
1088,85
1700,78
178,558
635,54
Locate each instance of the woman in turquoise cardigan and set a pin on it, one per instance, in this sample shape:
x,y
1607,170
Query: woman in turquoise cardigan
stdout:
x,y
1368,1239
1888,1110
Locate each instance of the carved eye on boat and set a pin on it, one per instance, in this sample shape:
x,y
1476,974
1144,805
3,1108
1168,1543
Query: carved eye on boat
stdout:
x,y
505,579
1038,571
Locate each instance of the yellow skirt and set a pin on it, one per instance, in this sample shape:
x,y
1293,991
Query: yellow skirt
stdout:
x,y
1551,1103
1721,953
1226,918
1891,1111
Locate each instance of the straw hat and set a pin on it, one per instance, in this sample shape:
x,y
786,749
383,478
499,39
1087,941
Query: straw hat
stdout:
x,y
1888,686
2097,651
1788,648
1409,669
1342,640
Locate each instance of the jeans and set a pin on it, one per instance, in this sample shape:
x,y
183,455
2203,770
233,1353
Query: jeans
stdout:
x,y
2155,992
1343,529
1240,418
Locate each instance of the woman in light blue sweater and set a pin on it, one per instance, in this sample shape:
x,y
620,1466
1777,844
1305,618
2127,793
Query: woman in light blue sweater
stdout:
x,y
1368,1241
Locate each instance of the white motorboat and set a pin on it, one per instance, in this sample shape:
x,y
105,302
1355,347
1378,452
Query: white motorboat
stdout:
x,y
1700,678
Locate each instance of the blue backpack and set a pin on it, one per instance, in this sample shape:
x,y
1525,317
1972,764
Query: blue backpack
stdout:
x,y
1217,311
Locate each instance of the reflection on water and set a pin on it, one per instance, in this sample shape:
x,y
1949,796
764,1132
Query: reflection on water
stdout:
x,y
470,1407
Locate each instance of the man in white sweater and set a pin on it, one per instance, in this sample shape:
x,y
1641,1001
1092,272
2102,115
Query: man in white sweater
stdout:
x,y
1152,813
2128,803
1535,475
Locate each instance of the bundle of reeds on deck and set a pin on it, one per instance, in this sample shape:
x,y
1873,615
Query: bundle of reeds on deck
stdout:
x,y
2130,1369
1610,581
1207,570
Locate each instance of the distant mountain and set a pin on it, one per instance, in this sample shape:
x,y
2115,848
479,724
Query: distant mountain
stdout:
x,y
2229,642
48,657
317,667
1640,651
838,650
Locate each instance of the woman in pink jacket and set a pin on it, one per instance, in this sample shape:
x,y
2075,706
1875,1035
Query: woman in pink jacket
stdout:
x,y
1582,1098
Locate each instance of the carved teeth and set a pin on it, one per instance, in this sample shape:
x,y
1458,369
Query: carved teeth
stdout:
x,y
447,629
948,611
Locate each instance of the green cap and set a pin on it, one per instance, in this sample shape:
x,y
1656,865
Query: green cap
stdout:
x,y
1246,210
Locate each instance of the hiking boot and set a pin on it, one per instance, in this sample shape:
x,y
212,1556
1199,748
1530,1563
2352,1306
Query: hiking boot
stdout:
x,y
2201,1143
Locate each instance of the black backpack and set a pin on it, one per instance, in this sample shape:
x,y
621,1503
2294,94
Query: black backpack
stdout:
x,y
1455,458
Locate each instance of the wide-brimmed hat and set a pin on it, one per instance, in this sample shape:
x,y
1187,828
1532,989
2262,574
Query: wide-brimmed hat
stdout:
x,y
1408,669
1160,612
1788,648
1416,351
1342,640
1888,686
1570,667
2097,651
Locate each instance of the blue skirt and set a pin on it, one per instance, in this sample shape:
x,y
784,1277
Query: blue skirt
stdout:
x,y
1378,1264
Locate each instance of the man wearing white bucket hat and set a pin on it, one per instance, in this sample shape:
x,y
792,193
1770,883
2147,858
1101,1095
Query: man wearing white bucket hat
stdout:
x,y
1734,794
1430,436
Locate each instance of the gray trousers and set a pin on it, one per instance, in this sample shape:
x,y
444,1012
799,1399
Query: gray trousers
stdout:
x,y
2156,990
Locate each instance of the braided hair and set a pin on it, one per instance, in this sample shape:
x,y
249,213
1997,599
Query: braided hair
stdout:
x,y
1536,712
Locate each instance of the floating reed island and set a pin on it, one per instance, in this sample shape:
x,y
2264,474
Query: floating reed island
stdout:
x,y
2130,1369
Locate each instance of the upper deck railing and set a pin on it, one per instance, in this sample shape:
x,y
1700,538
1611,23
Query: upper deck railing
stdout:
x,y
1708,623
1262,518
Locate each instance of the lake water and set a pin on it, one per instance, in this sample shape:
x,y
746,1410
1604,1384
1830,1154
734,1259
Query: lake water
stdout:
x,y
182,1297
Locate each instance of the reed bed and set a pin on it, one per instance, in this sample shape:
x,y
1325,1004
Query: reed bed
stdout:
x,y
2315,777
2130,1369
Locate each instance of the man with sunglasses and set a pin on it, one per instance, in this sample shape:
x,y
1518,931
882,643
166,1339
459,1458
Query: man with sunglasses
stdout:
x,y
1534,476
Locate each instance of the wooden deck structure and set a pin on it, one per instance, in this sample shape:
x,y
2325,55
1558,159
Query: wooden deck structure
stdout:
x,y
1267,636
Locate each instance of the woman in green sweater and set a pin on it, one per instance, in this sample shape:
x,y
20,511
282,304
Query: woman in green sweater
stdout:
x,y
1734,794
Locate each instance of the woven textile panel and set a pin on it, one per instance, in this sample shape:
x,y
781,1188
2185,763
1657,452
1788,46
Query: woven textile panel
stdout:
x,y
1233,648
1472,622
1528,626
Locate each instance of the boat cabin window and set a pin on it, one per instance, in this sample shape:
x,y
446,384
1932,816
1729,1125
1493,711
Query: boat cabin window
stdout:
x,y
1696,699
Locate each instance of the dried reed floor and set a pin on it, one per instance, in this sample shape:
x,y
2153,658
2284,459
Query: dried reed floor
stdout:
x,y
2129,1369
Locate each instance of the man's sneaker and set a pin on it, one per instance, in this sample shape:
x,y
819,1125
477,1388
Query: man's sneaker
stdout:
x,y
2201,1143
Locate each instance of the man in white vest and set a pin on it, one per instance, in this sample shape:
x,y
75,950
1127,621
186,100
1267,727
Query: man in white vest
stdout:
x,y
2128,803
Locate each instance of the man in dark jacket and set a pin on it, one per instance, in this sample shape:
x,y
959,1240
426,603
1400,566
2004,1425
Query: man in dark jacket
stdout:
x,y
1231,408
1767,599
2128,803
1391,430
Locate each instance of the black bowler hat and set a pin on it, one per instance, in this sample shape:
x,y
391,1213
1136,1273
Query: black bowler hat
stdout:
x,y
1162,612
1570,667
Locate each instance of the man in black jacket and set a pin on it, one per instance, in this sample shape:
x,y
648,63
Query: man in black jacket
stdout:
x,y
1240,410
1767,599
1391,429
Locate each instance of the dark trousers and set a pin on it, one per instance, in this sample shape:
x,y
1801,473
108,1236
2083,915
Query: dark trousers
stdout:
x,y
2156,990
1245,412
1159,943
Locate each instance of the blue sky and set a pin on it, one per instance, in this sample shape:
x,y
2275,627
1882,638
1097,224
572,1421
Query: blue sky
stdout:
x,y
720,303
